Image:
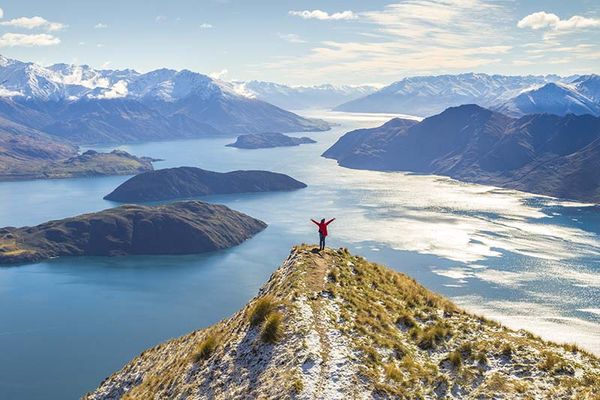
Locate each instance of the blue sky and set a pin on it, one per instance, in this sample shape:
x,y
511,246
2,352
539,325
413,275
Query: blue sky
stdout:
x,y
309,42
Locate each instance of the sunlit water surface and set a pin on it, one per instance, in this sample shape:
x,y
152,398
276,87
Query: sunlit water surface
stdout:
x,y
528,261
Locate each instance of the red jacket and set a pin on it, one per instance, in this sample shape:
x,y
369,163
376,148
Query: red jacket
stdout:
x,y
323,226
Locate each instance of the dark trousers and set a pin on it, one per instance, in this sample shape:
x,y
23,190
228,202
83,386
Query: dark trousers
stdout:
x,y
321,241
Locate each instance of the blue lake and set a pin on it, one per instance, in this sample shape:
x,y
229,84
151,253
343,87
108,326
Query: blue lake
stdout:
x,y
528,261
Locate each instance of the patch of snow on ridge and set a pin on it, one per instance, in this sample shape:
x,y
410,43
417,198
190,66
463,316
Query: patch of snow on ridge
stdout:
x,y
311,360
341,368
118,90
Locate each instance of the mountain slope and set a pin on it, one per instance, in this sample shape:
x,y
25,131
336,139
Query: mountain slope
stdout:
x,y
539,153
552,98
589,86
88,164
363,148
22,147
334,326
26,153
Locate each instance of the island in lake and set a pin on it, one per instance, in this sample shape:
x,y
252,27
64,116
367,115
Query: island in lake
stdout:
x,y
538,153
180,228
330,325
186,182
268,140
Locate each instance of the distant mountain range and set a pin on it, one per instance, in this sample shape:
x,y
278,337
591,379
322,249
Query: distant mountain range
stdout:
x,y
85,105
513,95
539,153
303,97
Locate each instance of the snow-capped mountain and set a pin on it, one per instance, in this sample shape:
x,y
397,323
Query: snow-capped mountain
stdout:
x,y
552,98
86,105
589,86
73,82
303,97
427,95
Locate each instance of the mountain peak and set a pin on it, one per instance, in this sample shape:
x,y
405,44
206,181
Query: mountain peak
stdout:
x,y
330,325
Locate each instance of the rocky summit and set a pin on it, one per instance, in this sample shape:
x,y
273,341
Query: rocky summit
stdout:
x,y
180,228
331,325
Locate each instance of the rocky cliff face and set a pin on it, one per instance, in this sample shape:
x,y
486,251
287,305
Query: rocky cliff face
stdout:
x,y
185,182
179,228
335,326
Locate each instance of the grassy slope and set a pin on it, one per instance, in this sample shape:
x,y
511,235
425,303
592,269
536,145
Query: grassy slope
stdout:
x,y
353,329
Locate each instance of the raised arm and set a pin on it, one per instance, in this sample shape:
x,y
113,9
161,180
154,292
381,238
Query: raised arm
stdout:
x,y
314,222
330,221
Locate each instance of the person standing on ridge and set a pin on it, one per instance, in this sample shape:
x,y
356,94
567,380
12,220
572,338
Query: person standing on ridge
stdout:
x,y
322,231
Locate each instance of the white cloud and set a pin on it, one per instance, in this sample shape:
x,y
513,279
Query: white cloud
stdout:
x,y
322,15
18,39
100,25
33,23
291,37
1,13
542,19
160,19
105,64
409,37
219,74
206,26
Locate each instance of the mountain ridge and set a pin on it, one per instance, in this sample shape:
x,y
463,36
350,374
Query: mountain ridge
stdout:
x,y
430,95
330,325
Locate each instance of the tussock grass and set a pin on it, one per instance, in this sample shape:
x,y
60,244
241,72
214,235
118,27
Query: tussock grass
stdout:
x,y
206,348
272,328
432,336
406,320
261,310
392,372
506,350
455,358
481,358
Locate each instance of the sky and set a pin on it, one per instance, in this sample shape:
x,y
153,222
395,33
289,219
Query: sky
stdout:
x,y
309,42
